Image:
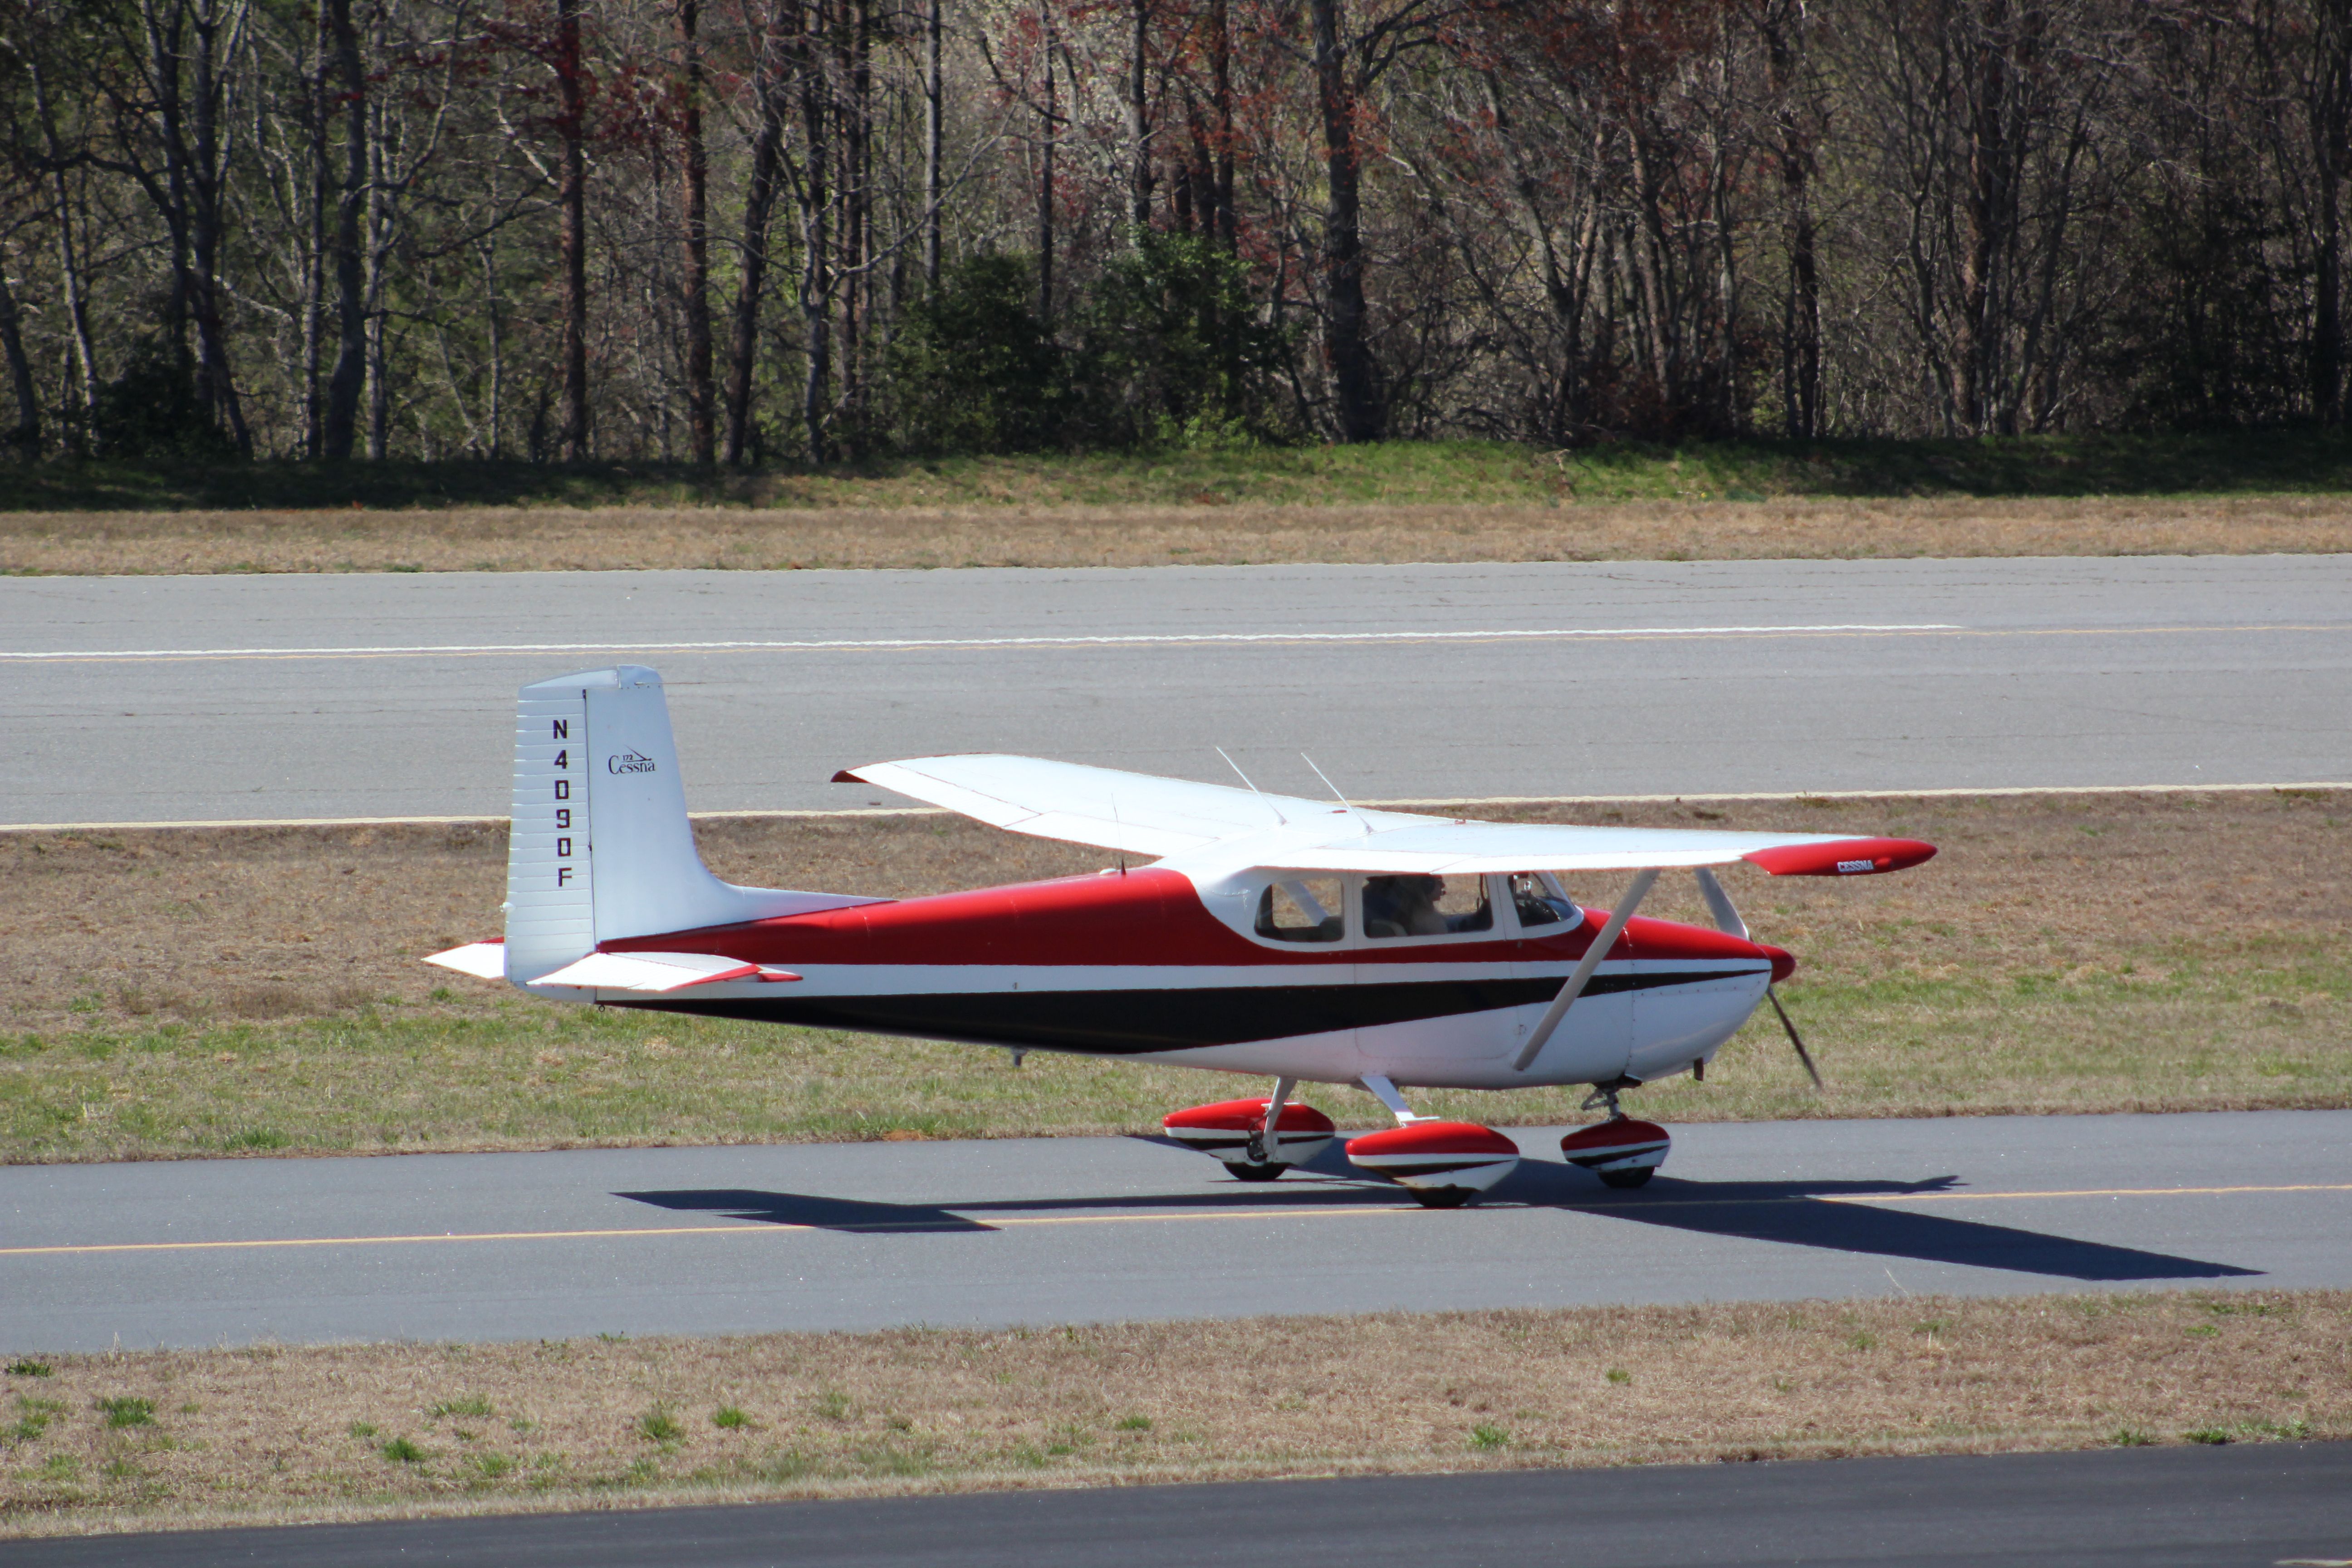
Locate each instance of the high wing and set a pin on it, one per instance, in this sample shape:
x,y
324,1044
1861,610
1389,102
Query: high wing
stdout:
x,y
1140,813
1178,819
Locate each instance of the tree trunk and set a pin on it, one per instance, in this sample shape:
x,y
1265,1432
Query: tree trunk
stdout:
x,y
1343,247
1801,315
2330,108
207,228
855,113
1220,88
573,197
1985,207
26,436
702,432
340,424
314,264
934,133
816,278
1138,118
759,208
1049,124
186,57
77,291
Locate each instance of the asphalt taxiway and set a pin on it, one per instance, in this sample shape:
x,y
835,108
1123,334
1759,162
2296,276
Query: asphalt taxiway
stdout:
x,y
2259,1506
221,698
642,1241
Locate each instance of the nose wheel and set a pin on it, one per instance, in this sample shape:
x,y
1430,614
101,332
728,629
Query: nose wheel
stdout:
x,y
1623,1152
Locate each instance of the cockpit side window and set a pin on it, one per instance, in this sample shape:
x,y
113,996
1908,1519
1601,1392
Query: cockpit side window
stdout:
x,y
1425,905
1304,909
1540,901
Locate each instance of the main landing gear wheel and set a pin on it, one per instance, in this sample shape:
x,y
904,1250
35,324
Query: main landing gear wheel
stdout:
x,y
1269,1170
1624,1180
1442,1197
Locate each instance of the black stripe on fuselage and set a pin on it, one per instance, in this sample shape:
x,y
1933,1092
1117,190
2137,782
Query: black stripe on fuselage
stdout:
x,y
1133,1022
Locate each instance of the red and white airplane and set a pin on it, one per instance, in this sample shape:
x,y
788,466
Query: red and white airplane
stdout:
x,y
1304,941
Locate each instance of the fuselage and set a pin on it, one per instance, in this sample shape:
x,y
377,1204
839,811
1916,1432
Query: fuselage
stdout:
x,y
1151,964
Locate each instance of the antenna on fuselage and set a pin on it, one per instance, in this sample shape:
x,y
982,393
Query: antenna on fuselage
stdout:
x,y
1255,790
1335,792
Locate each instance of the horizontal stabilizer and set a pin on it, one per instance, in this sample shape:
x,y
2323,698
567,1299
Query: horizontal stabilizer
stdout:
x,y
482,959
656,972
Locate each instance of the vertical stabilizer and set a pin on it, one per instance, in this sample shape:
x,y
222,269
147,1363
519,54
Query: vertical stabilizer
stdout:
x,y
551,896
602,848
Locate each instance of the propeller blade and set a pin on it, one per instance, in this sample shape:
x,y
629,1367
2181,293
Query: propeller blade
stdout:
x,y
1795,1039
1718,903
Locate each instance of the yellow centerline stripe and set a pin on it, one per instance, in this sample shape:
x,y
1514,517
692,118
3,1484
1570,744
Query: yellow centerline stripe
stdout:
x,y
2082,1192
761,1227
748,1227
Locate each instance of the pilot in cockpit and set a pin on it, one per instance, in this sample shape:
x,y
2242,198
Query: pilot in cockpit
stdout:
x,y
1403,905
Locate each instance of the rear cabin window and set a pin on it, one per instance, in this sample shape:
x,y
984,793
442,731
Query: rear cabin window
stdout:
x,y
1425,905
1539,901
1305,909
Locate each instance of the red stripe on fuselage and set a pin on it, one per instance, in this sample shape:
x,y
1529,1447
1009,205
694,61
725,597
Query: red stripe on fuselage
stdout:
x,y
1148,917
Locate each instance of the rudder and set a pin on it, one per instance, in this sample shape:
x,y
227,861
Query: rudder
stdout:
x,y
601,846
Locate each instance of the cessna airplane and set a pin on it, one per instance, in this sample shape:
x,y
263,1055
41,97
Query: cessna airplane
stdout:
x,y
1304,941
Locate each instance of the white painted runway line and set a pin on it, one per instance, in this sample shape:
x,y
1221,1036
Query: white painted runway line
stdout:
x,y
886,645
1137,640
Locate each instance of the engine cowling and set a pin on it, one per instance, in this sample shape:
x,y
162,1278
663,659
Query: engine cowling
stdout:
x,y
1440,1162
1226,1129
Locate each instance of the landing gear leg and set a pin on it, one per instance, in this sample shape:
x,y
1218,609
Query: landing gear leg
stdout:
x,y
1264,1144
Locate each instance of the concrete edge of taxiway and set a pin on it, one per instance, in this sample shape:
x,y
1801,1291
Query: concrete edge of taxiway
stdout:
x,y
1486,801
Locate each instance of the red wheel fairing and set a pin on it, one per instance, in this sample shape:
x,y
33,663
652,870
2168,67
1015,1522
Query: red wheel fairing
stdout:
x,y
1226,1129
1437,1159
1624,1144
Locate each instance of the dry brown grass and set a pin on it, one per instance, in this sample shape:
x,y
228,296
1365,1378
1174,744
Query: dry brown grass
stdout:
x,y
281,1435
513,538
170,992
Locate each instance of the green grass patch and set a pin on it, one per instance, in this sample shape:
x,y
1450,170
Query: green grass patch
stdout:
x,y
127,1410
2260,1022
1402,472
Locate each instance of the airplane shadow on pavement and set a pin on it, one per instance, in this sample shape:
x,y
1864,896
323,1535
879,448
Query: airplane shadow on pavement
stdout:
x,y
1806,1214
1800,1214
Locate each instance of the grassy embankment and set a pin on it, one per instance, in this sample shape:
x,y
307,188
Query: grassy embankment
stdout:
x,y
167,994
1399,502
164,1440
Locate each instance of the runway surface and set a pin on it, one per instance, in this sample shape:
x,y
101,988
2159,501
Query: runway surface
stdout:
x,y
148,699
2236,1507
488,1246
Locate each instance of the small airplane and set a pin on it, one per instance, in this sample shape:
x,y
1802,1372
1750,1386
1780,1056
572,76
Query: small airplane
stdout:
x,y
1305,940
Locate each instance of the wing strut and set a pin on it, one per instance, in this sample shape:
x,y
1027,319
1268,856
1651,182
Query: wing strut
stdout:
x,y
1542,1035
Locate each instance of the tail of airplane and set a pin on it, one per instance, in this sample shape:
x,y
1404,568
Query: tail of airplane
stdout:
x,y
602,848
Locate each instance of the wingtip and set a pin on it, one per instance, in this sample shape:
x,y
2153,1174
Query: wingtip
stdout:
x,y
1842,857
846,776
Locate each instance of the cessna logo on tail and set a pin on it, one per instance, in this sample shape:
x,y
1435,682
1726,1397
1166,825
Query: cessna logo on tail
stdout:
x,y
628,762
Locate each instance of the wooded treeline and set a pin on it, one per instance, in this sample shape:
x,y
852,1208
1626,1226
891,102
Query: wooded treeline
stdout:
x,y
736,230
